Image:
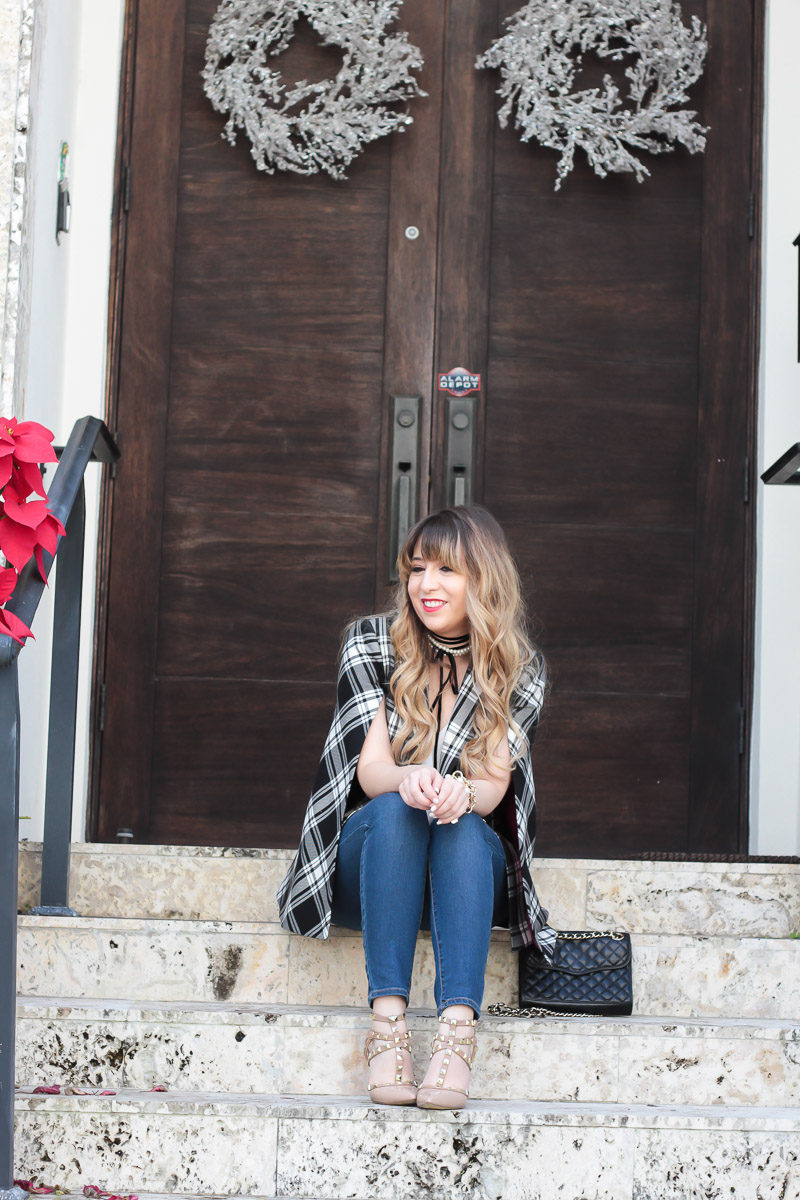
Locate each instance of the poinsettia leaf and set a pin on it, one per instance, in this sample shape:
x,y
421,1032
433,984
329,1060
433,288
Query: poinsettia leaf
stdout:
x,y
35,450
33,443
38,554
26,429
7,427
30,513
48,532
11,624
6,467
16,541
27,479
8,581
47,538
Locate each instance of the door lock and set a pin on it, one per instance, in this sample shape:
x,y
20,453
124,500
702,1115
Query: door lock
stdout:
x,y
460,457
404,475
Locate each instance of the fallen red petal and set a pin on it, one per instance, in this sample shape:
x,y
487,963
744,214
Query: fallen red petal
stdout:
x,y
91,1190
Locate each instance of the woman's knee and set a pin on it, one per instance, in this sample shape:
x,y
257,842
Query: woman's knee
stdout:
x,y
389,812
469,830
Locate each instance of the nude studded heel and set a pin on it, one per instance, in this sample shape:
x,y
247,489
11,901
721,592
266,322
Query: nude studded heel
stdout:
x,y
401,1091
439,1095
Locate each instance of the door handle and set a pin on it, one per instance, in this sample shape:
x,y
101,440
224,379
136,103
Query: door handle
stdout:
x,y
460,456
404,475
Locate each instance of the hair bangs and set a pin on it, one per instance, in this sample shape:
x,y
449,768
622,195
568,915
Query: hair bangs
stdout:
x,y
438,541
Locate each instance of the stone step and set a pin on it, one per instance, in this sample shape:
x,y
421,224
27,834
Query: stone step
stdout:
x,y
333,1147
313,1051
145,960
200,883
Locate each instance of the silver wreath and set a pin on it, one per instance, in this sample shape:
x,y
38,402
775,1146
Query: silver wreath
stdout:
x,y
310,127
541,53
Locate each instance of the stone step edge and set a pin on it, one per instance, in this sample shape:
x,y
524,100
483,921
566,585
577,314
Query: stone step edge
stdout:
x,y
765,865
211,1012
273,929
478,1112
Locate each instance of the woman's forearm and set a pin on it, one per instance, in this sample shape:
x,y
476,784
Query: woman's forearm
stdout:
x,y
376,778
488,794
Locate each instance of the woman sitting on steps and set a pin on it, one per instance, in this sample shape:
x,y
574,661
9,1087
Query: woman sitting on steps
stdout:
x,y
422,814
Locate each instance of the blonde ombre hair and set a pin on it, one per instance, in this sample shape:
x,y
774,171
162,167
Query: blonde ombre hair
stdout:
x,y
468,540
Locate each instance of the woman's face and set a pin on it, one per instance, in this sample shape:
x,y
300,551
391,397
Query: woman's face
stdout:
x,y
438,595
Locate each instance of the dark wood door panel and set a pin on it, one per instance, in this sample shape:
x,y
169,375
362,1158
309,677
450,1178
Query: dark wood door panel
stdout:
x,y
260,597
568,439
609,278
614,581
298,431
315,284
627,786
226,756
613,607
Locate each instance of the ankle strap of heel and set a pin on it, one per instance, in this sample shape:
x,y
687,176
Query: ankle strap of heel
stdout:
x,y
393,1039
450,1044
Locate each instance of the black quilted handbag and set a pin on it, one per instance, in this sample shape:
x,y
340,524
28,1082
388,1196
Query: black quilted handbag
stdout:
x,y
590,976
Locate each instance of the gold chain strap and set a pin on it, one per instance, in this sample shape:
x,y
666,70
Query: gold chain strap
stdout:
x,y
508,1010
591,933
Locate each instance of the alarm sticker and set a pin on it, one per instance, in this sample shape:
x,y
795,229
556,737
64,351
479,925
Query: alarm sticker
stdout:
x,y
459,382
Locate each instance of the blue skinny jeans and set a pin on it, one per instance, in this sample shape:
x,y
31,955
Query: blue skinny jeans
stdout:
x,y
396,873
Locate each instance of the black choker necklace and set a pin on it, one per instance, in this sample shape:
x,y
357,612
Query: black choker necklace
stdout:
x,y
450,645
448,648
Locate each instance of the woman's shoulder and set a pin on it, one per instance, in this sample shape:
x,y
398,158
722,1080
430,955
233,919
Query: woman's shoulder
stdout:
x,y
370,636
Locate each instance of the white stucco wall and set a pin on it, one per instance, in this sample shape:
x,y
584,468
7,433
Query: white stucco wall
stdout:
x,y
61,338
775,776
59,372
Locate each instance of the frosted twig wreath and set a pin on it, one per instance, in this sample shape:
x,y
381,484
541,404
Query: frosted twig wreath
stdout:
x,y
542,51
310,127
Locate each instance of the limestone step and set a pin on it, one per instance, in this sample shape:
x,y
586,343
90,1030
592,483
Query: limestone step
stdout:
x,y
200,883
312,1051
204,1144
150,960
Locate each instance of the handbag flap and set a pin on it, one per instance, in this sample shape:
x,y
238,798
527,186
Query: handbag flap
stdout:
x,y
589,955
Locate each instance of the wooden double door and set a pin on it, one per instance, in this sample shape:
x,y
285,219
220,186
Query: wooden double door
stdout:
x,y
263,330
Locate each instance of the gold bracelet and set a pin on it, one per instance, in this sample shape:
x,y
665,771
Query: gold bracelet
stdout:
x,y
472,790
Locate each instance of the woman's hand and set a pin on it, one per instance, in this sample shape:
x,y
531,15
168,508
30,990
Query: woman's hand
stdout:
x,y
420,788
451,802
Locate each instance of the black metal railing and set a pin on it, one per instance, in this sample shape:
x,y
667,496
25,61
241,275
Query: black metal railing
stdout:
x,y
90,441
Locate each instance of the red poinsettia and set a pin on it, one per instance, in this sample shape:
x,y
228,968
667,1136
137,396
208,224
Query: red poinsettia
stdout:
x,y
27,527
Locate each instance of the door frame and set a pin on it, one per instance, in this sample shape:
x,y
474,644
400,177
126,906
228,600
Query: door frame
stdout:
x,y
137,380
